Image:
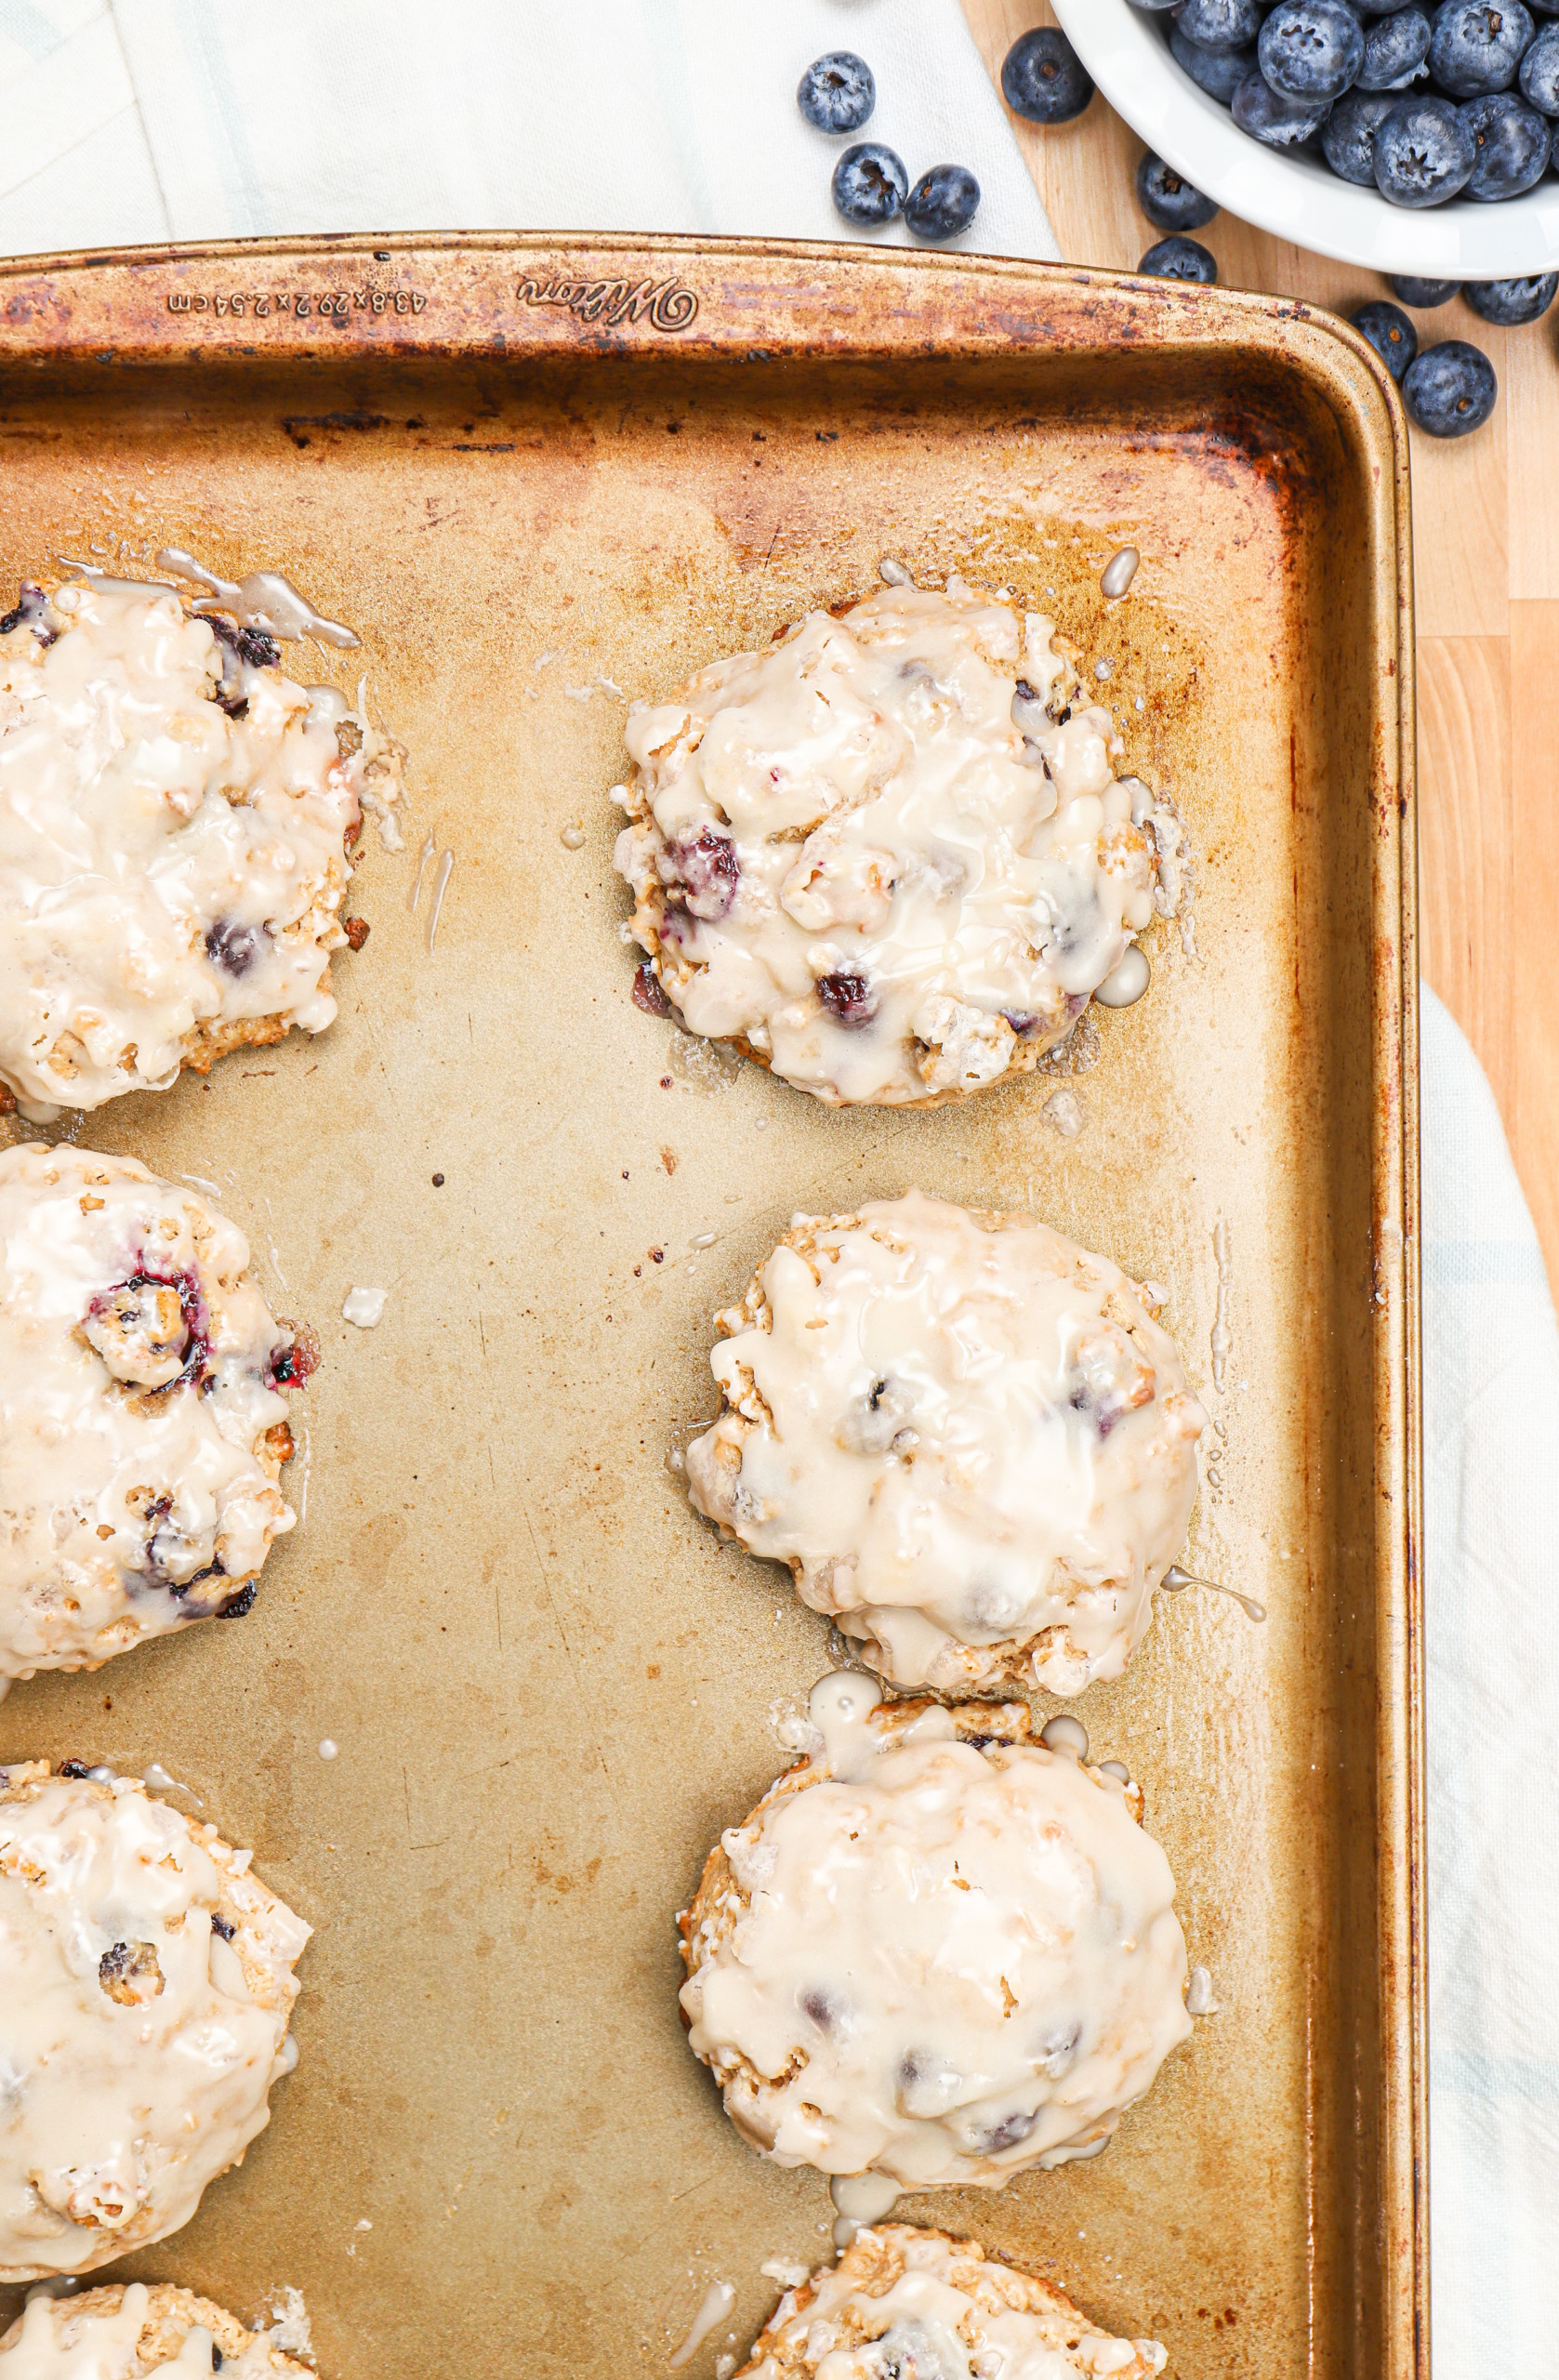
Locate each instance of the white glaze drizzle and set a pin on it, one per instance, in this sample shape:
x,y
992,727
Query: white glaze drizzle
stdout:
x,y
718,2298
887,801
1200,1997
441,886
414,889
934,1964
966,1435
141,2044
1124,984
1176,1580
265,599
1118,572
100,2338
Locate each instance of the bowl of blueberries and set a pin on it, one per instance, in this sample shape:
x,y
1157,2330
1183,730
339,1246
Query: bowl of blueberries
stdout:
x,y
1418,137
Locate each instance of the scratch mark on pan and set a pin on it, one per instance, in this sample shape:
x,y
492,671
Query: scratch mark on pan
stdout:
x,y
1220,1341
568,1648
441,886
406,1791
547,1582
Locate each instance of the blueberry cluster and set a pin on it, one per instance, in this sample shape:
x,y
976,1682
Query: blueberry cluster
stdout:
x,y
1449,388
1424,100
1452,387
870,185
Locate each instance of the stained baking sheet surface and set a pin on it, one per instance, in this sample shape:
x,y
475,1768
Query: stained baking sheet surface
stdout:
x,y
550,1687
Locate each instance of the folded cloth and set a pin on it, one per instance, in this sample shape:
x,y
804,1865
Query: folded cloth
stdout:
x,y
177,119
182,119
1491,1462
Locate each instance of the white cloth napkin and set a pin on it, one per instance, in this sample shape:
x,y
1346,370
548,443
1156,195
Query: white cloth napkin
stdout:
x,y
1491,1462
211,119
191,119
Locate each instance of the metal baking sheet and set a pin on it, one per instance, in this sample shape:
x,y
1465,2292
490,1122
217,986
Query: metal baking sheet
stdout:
x,y
550,1687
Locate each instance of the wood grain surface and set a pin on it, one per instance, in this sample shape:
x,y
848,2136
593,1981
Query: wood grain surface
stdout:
x,y
1485,517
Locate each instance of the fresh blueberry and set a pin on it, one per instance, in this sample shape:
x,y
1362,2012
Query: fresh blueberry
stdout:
x,y
1380,7
869,183
1395,50
943,201
1450,389
1044,80
1511,303
1389,333
1348,135
1477,46
1539,72
1311,50
1177,259
1220,24
1168,200
1278,122
233,947
837,92
1424,295
1219,73
1513,144
1424,153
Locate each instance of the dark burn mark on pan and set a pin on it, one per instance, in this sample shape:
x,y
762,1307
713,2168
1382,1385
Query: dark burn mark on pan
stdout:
x,y
297,425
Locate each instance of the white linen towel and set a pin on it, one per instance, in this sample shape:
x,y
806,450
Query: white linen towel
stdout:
x,y
206,119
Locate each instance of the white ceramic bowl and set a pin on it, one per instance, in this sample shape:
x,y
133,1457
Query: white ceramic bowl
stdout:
x,y
1127,52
